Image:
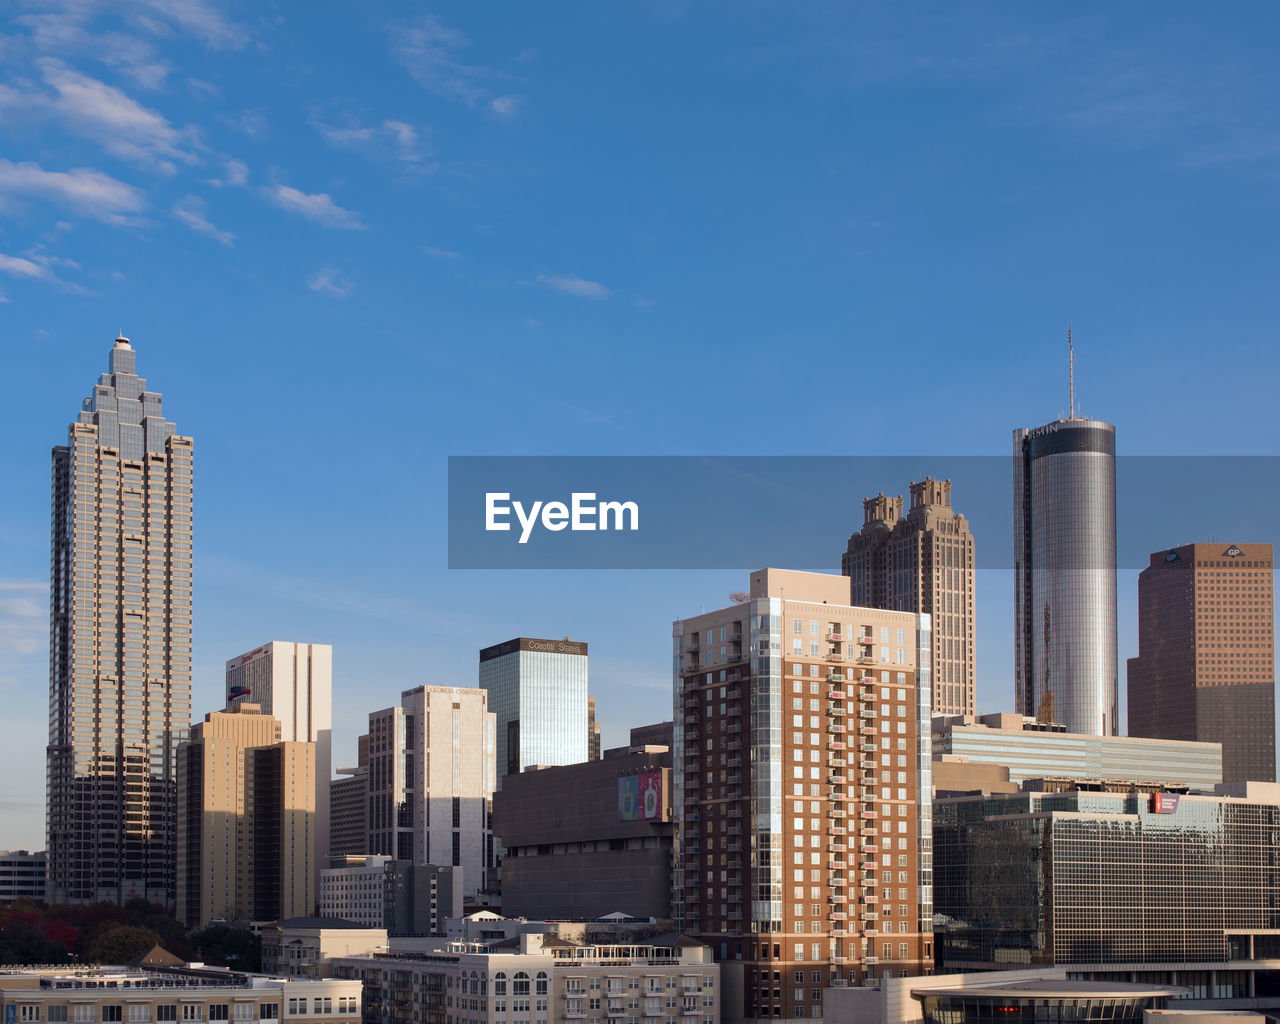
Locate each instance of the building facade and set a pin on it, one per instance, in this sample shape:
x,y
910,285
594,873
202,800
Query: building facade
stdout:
x,y
802,792
431,779
246,821
22,876
396,895
1040,878
541,980
585,840
1031,750
1064,555
305,947
538,690
294,684
119,643
593,732
923,562
349,812
1205,668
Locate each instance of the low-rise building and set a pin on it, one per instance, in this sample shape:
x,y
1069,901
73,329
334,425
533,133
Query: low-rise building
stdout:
x,y
402,897
305,947
541,978
584,840
22,876
168,993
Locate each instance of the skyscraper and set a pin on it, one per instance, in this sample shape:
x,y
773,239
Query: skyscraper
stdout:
x,y
431,779
119,643
294,684
246,820
802,789
538,690
922,563
1064,561
1205,668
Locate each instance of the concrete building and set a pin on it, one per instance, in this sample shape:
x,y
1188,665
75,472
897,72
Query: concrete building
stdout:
x,y
1205,668
802,765
401,897
585,840
538,690
246,820
22,876
163,989
305,947
540,978
431,780
294,684
923,562
1064,555
1086,877
1031,750
659,734
119,643
593,732
349,812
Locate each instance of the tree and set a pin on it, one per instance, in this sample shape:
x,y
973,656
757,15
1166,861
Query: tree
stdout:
x,y
121,944
226,946
22,943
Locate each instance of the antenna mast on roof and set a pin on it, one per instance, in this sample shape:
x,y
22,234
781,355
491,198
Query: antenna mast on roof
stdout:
x,y
1071,375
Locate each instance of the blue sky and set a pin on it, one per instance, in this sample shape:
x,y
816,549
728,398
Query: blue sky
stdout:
x,y
350,240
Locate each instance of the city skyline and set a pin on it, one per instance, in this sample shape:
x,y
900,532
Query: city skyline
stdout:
x,y
952,190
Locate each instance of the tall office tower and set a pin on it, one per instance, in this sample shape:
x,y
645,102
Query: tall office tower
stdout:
x,y
246,820
538,690
119,643
431,780
593,732
802,789
349,807
293,683
922,563
1064,561
1206,667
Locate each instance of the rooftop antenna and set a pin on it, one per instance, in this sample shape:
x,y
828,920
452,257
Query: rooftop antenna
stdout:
x,y
1071,375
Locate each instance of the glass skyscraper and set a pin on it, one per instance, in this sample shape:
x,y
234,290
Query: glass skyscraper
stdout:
x,y
1064,537
119,643
538,690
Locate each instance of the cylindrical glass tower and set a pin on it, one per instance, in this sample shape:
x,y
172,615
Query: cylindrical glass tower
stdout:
x,y
1064,535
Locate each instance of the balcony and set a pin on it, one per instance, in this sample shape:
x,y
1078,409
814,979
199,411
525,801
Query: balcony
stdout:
x,y
868,865
835,675
834,638
835,762
838,694
867,832
836,812
868,848
837,864
835,727
834,656
838,897
868,730
836,779
838,915
837,848
868,815
835,712
868,746
836,830
835,744
865,659
868,918
868,713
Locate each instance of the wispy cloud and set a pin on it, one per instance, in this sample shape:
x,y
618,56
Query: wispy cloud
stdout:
x,y
430,50
389,138
329,281
572,284
190,211
37,265
197,18
68,34
318,207
236,174
84,190
441,254
24,616
252,122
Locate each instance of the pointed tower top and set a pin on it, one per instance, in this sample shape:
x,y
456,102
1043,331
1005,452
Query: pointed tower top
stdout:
x,y
1071,375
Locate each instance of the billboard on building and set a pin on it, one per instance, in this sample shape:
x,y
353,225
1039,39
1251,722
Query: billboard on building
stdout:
x,y
629,798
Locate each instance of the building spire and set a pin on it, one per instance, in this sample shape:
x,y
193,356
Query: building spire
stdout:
x,y
1071,376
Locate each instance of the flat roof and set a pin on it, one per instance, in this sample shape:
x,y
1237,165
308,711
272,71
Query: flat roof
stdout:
x,y
1054,990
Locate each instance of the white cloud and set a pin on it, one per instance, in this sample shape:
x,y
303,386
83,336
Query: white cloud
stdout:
x,y
329,282
190,211
16,266
199,18
36,265
252,122
572,284
391,138
506,106
84,190
427,51
24,616
237,174
319,207
441,254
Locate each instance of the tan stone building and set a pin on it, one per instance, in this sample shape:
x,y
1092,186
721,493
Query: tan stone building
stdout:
x,y
246,820
1205,668
802,755
922,562
119,642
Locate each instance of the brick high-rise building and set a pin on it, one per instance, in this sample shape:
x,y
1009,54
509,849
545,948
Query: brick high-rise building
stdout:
x,y
922,562
246,820
119,643
1205,668
802,792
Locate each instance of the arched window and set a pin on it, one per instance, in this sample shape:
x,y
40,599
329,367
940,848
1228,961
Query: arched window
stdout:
x,y
520,984
542,983
500,984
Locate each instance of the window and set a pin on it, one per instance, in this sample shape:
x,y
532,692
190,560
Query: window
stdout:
x,y
520,985
29,1013
500,984
541,987
139,1013
191,1011
113,1013
58,1015
167,1012
218,1011
268,1011
83,1012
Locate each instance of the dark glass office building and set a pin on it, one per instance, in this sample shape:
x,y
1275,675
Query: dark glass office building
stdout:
x,y
1064,535
1038,878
